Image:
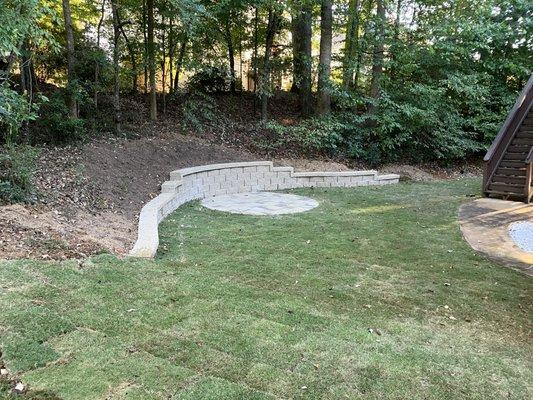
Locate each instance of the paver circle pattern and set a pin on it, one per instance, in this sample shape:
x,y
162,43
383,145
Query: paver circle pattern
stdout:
x,y
260,203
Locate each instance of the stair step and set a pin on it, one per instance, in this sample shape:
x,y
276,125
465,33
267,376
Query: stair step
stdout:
x,y
514,156
512,164
507,188
518,147
507,179
511,171
522,141
523,132
505,195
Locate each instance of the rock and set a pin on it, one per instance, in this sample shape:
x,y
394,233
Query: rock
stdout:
x,y
19,388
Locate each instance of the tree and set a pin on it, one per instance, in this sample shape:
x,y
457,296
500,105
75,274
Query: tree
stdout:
x,y
274,19
324,67
351,45
302,61
97,63
116,66
151,59
179,64
71,60
231,51
378,56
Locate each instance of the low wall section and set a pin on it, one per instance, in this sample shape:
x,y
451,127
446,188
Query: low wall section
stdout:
x,y
219,179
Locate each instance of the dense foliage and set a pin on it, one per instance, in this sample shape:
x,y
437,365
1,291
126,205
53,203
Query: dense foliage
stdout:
x,y
417,79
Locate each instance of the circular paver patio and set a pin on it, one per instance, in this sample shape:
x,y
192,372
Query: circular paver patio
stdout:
x,y
261,203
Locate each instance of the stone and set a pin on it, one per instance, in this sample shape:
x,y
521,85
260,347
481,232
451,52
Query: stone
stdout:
x,y
19,388
261,203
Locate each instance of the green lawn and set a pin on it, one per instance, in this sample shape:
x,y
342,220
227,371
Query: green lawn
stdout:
x,y
372,295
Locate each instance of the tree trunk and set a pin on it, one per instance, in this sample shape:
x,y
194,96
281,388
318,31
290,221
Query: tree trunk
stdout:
x,y
97,65
272,27
71,59
26,76
145,42
179,64
296,40
256,53
116,66
302,61
171,50
366,6
377,59
151,59
351,46
395,42
133,60
324,68
240,63
6,68
26,83
163,66
231,53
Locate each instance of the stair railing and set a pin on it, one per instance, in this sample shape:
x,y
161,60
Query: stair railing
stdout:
x,y
529,176
507,132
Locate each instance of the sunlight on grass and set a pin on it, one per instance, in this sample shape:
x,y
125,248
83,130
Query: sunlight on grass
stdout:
x,y
376,209
372,295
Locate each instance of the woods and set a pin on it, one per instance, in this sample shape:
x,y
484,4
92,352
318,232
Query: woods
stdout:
x,y
376,80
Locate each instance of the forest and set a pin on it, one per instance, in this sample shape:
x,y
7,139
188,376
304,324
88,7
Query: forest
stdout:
x,y
369,80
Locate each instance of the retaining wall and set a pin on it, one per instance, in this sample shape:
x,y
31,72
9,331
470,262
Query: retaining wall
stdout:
x,y
219,179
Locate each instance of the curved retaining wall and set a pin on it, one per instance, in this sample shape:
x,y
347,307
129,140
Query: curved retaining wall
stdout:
x,y
218,179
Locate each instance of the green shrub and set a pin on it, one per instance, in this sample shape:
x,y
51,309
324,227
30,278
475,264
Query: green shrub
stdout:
x,y
55,125
210,79
17,165
311,135
200,110
15,109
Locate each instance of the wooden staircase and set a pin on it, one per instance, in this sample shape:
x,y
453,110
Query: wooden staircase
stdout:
x,y
509,161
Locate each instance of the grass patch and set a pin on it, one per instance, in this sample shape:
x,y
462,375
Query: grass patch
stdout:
x,y
371,295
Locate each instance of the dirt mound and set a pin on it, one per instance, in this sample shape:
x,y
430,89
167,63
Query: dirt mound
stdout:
x,y
127,173
42,233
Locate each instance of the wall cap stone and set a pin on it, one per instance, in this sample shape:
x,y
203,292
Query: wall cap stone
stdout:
x,y
339,173
180,173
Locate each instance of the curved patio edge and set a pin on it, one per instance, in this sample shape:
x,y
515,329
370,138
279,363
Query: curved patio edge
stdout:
x,y
485,225
196,183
